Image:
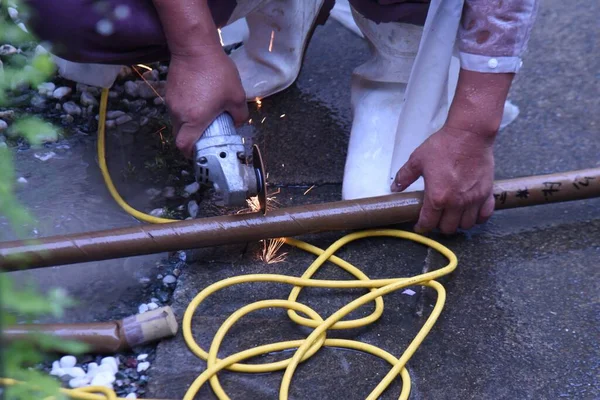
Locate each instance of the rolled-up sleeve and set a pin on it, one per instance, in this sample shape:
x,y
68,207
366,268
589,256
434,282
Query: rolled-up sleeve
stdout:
x,y
493,34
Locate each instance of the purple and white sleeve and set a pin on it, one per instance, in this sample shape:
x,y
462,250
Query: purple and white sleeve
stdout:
x,y
493,34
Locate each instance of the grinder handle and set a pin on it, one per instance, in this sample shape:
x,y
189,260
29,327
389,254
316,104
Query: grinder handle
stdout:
x,y
223,125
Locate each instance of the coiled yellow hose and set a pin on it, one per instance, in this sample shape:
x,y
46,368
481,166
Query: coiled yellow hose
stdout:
x,y
305,348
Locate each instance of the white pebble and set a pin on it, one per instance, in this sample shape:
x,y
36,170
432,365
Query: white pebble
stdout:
x,y
154,300
46,88
61,92
22,180
13,13
44,156
131,396
103,379
68,362
142,357
92,370
167,280
57,372
143,308
112,362
192,188
193,208
157,212
7,50
105,368
409,292
75,372
3,125
143,366
79,382
152,306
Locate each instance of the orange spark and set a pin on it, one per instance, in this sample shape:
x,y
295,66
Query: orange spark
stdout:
x,y
282,115
309,189
258,103
271,249
148,83
250,121
271,43
144,66
220,37
263,120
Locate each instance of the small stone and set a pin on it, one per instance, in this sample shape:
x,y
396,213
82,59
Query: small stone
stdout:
x,y
131,396
7,50
144,280
169,279
153,193
67,119
45,157
136,105
154,300
7,115
123,119
142,357
46,88
125,72
38,101
68,361
22,180
132,89
149,90
144,121
193,208
143,366
110,124
176,272
112,362
131,362
142,308
158,101
71,108
3,125
58,107
92,369
182,255
103,379
79,382
113,95
114,114
192,188
184,172
163,295
87,99
168,192
152,306
157,212
61,92
76,372
81,87
13,13
151,75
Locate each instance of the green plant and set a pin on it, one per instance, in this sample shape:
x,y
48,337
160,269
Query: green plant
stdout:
x,y
25,303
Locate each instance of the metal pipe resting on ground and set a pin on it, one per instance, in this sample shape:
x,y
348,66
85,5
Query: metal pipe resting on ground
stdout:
x,y
292,221
105,337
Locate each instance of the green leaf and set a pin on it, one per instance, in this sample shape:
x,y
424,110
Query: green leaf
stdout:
x,y
34,129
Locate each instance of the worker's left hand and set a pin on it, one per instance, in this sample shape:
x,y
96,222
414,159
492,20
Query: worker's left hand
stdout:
x,y
458,169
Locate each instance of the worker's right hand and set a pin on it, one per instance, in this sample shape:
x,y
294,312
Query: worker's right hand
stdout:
x,y
199,89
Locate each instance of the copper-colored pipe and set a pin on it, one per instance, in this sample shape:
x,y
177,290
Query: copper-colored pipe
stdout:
x,y
292,221
105,337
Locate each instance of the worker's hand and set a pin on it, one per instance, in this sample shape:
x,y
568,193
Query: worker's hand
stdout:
x,y
458,169
199,89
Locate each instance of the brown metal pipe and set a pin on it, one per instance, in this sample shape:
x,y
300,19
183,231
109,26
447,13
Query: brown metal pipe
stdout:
x,y
292,221
105,337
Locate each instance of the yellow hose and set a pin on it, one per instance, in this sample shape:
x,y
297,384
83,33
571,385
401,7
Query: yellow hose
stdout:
x,y
305,348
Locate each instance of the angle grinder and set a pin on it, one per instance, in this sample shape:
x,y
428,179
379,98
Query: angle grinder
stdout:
x,y
221,159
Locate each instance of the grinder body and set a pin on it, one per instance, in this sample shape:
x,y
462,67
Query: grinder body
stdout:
x,y
220,159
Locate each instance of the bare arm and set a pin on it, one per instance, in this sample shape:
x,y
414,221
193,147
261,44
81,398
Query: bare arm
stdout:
x,y
203,82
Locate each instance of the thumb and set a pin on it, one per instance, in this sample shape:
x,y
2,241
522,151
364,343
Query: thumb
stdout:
x,y
407,175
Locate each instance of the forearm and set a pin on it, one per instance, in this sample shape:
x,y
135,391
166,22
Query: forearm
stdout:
x,y
478,104
188,26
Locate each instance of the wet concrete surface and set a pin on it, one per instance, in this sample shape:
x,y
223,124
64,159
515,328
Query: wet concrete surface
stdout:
x,y
522,318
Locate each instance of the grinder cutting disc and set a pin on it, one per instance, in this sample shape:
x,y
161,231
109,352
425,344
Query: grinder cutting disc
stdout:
x,y
261,181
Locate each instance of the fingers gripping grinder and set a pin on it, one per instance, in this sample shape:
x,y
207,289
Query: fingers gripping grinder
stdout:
x,y
221,159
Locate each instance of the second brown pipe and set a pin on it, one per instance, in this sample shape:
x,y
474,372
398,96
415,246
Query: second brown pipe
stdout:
x,y
292,221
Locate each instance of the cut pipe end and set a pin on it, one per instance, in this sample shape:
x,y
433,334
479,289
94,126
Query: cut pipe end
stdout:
x,y
150,326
